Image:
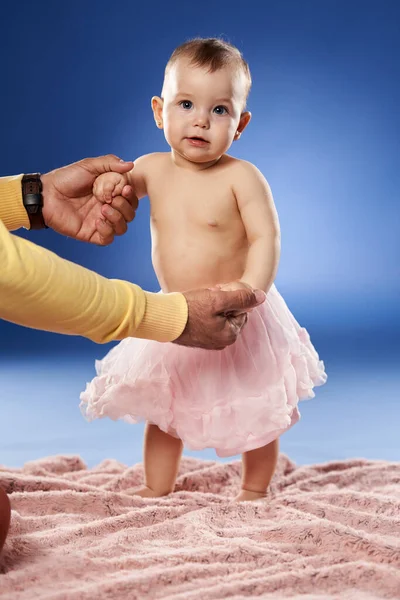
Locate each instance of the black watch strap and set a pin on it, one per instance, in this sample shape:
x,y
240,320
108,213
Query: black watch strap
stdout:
x,y
33,200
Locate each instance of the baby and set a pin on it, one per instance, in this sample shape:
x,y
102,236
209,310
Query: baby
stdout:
x,y
213,224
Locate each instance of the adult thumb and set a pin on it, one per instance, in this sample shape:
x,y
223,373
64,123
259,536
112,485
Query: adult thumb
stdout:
x,y
239,301
121,166
105,164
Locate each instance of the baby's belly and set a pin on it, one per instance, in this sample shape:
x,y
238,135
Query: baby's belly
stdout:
x,y
181,266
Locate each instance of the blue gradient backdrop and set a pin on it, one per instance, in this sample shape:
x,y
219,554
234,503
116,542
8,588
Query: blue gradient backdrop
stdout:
x,y
76,81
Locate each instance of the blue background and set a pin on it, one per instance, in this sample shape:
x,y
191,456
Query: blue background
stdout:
x,y
76,81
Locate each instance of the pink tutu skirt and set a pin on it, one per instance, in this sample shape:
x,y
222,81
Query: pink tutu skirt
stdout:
x,y
233,400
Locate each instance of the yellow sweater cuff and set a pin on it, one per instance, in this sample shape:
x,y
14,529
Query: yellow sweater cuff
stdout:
x,y
12,211
164,318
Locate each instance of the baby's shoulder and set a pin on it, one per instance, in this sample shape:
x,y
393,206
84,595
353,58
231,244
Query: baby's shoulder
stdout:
x,y
150,161
241,167
144,168
246,179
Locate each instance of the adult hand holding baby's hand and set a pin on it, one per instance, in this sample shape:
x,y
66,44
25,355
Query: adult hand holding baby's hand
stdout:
x,y
110,188
216,317
71,208
110,185
233,286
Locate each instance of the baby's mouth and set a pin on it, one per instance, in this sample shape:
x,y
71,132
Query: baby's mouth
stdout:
x,y
197,138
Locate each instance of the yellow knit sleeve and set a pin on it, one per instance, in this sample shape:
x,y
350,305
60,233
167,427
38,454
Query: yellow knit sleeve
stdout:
x,y
12,211
39,289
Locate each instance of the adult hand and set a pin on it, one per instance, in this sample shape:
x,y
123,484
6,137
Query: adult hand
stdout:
x,y
70,208
216,317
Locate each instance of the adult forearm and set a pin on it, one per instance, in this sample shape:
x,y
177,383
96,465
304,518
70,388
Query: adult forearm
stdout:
x,y
40,290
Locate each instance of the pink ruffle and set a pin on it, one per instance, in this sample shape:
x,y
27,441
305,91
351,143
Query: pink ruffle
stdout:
x,y
232,400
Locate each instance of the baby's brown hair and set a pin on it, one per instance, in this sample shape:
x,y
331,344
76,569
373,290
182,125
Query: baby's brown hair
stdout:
x,y
213,53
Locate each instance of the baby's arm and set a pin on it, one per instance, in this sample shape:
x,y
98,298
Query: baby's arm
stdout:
x,y
260,219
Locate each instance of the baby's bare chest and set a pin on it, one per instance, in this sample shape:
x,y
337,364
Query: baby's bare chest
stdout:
x,y
207,204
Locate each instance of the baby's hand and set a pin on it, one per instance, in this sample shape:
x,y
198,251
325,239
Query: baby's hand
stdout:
x,y
234,285
109,185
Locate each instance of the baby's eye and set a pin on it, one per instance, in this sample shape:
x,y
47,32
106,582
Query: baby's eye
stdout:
x,y
187,104
221,110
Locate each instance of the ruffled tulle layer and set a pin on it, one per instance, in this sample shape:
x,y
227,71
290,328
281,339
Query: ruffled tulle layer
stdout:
x,y
232,400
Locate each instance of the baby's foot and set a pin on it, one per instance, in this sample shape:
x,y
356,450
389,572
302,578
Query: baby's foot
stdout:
x,y
146,492
248,496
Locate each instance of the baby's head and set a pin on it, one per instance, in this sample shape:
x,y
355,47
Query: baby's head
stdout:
x,y
203,99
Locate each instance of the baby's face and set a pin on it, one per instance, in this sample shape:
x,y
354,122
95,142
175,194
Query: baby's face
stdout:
x,y
202,110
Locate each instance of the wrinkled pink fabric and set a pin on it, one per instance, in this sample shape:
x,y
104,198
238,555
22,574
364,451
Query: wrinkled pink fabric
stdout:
x,y
326,532
233,401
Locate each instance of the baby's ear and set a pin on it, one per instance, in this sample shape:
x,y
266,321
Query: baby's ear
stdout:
x,y
157,104
244,121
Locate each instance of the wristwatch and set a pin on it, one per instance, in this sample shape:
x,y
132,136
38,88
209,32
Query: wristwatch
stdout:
x,y
33,200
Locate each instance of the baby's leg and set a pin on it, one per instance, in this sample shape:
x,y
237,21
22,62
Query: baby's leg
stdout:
x,y
162,455
258,467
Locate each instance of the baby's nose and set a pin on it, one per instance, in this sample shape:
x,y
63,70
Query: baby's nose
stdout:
x,y
202,120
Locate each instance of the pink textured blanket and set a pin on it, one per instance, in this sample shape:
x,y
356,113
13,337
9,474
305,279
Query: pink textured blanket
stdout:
x,y
326,531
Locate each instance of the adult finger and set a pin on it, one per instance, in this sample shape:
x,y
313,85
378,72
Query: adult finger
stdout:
x,y
104,234
122,206
105,164
232,328
115,218
238,301
237,322
129,194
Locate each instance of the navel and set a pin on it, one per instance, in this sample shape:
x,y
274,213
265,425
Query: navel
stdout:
x,y
212,223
